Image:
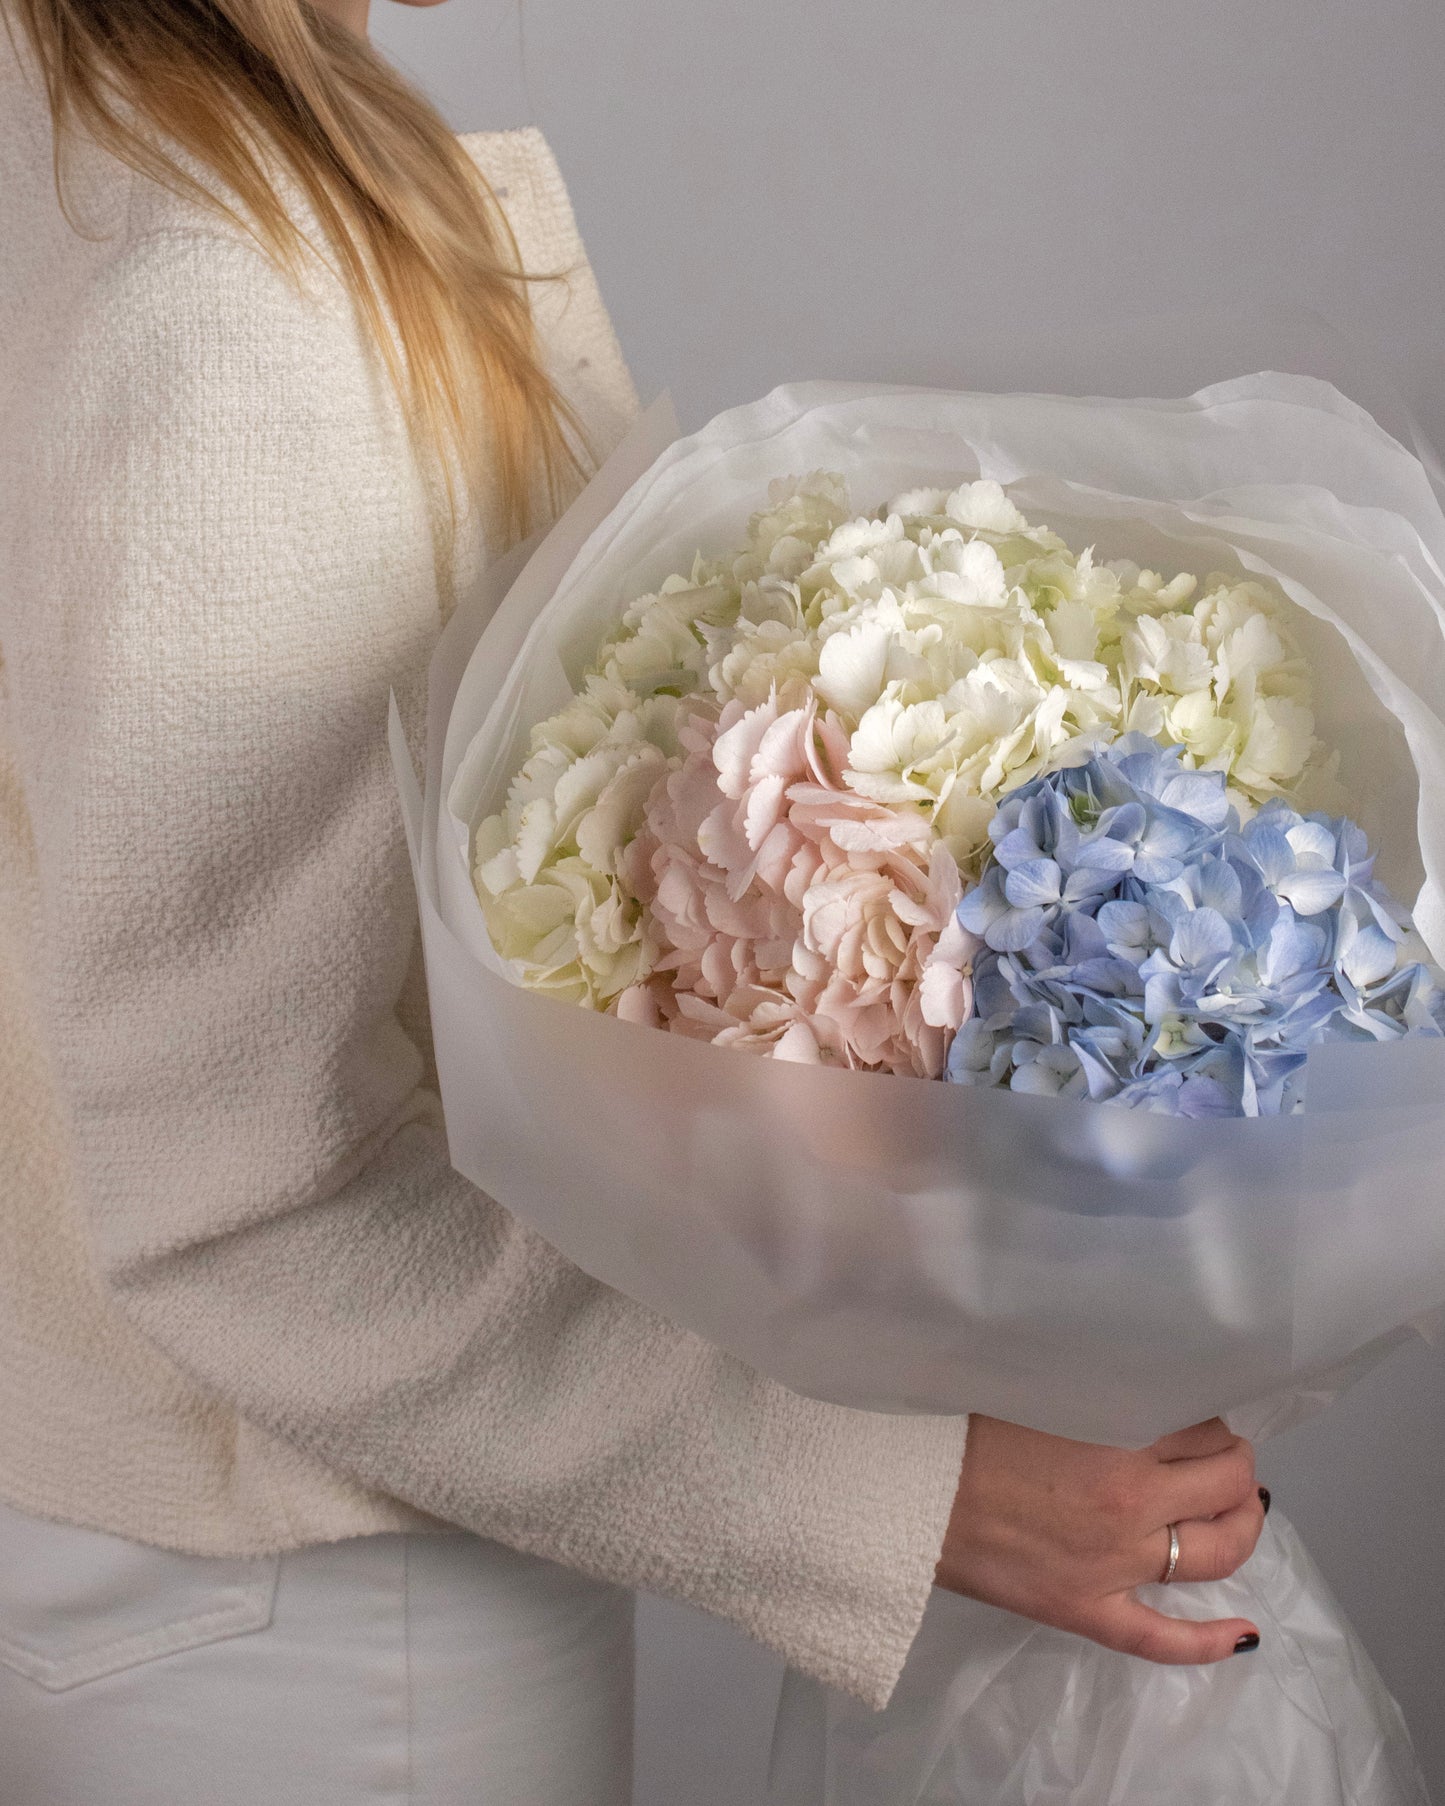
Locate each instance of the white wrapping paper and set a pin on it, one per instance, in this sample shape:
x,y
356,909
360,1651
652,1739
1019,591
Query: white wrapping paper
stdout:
x,y
995,1711
900,1245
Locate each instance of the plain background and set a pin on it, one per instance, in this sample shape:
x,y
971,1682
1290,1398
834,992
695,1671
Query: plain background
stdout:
x,y
986,193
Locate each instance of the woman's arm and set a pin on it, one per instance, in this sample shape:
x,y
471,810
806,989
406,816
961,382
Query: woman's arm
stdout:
x,y
215,579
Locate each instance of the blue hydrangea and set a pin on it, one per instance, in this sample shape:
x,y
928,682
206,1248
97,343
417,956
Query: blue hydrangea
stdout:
x,y
1143,947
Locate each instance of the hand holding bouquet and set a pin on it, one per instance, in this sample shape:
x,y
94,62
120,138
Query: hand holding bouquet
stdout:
x,y
1092,772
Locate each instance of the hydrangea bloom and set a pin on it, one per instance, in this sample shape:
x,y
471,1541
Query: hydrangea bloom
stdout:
x,y
798,917
940,654
547,868
965,652
1135,942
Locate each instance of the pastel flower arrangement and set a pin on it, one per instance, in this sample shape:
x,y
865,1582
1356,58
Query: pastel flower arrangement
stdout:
x,y
924,792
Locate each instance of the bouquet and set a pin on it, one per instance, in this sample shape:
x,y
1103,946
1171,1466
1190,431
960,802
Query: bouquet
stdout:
x,y
1093,778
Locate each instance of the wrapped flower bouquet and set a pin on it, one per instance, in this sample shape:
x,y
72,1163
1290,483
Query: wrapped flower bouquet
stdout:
x,y
1080,763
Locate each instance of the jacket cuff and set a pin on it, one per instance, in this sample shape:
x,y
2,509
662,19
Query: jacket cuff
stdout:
x,y
858,1503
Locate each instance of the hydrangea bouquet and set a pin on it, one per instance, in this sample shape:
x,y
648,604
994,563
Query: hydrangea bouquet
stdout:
x,y
1083,817
925,792
1055,780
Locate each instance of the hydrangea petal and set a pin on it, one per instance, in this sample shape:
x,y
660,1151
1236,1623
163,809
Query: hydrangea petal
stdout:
x,y
1034,883
1311,893
1370,958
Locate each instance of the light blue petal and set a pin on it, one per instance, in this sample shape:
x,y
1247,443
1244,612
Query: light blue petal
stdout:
x,y
1149,870
1099,1074
1016,848
983,904
1082,939
1014,930
1220,888
1200,794
1169,835
1201,1097
1293,947
1124,822
1370,956
1107,977
1354,849
1270,851
1161,996
1124,924
1035,884
1311,893
970,1053
1312,842
1201,939
1385,912
1106,856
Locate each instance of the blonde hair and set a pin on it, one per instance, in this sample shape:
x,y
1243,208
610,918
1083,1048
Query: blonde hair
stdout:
x,y
409,221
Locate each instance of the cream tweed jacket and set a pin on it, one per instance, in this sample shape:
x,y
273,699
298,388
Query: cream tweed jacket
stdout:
x,y
245,1302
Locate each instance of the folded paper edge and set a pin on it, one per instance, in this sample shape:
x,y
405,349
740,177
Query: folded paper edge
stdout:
x,y
408,789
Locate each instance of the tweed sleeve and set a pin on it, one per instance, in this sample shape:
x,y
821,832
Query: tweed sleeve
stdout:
x,y
218,574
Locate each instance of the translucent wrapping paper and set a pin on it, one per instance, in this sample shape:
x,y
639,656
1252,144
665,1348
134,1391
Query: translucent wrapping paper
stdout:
x,y
903,1245
995,1711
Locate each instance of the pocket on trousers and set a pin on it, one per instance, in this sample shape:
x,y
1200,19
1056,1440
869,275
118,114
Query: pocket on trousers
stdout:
x,y
78,1604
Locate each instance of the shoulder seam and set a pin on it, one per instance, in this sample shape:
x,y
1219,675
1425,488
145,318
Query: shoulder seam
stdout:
x,y
549,217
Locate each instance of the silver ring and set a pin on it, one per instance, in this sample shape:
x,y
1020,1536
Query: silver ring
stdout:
x,y
1173,1561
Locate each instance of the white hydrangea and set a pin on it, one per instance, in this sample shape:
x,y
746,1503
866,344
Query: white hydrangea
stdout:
x,y
547,867
963,652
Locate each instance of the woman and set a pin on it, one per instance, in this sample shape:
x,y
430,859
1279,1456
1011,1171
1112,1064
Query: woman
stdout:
x,y
324,1480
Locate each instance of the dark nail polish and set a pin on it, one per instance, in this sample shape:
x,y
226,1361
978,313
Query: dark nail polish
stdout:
x,y
1247,1642
1264,1499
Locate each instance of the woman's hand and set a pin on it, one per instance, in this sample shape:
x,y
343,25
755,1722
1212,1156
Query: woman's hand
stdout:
x,y
1063,1532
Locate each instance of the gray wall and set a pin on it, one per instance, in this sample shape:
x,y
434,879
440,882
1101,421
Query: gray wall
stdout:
x,y
977,192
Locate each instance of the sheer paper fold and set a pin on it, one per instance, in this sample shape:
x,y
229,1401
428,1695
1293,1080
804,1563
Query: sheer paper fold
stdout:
x,y
994,1708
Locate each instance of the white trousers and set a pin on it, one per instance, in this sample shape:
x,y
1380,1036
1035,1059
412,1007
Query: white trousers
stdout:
x,y
411,1670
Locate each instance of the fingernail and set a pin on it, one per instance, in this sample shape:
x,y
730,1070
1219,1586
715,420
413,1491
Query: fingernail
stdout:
x,y
1264,1499
1247,1642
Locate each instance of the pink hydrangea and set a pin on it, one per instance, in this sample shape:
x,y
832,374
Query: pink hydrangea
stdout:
x,y
798,917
